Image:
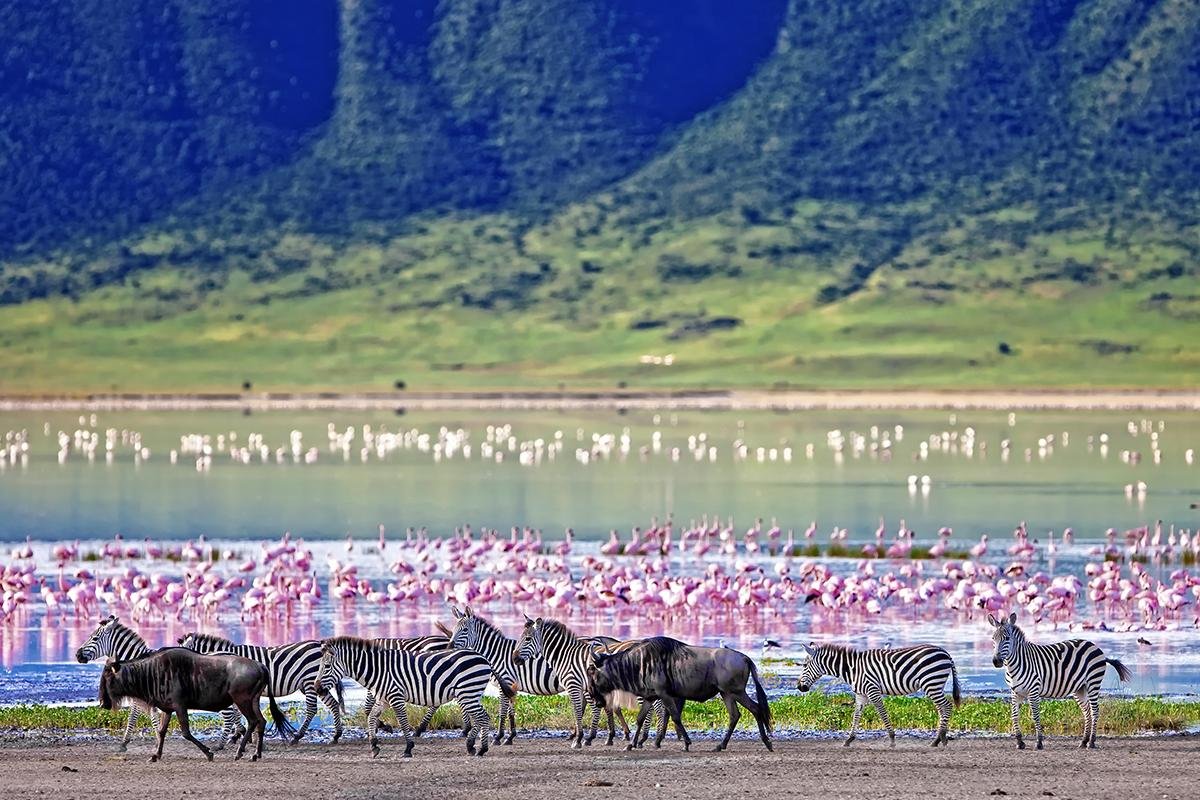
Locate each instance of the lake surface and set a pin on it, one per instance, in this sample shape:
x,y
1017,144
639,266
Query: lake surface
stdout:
x,y
241,481
1073,479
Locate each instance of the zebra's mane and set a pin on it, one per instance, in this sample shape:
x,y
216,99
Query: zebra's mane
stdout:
x,y
354,641
488,626
212,639
119,628
837,648
559,628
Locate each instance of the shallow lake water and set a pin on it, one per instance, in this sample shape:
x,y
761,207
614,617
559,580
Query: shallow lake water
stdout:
x,y
238,480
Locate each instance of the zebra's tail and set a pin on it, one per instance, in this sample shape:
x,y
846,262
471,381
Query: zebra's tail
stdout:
x,y
282,725
760,695
955,689
509,690
1122,671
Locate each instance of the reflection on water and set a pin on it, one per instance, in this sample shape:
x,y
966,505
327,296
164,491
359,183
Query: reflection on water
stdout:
x,y
1052,469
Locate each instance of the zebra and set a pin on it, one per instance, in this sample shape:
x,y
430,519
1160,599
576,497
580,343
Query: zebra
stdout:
x,y
293,668
115,641
398,677
570,657
414,644
875,673
531,676
1035,672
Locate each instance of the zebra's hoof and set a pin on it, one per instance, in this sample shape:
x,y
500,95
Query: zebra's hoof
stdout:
x,y
254,757
629,747
1020,744
153,759
122,748
1083,745
1092,746
1039,745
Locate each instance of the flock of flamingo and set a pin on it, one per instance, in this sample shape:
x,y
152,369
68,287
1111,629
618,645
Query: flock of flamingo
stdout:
x,y
1136,581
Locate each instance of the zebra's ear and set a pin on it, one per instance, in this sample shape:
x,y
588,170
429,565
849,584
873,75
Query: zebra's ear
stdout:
x,y
993,621
528,621
457,614
809,649
1012,618
469,612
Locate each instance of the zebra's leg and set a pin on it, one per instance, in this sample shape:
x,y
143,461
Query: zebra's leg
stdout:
x,y
1094,704
399,704
735,713
134,713
512,721
859,702
186,728
1085,710
231,727
310,711
481,724
425,721
373,713
577,705
641,722
938,696
163,723
659,709
505,706
595,724
1015,710
332,704
877,701
369,706
1035,706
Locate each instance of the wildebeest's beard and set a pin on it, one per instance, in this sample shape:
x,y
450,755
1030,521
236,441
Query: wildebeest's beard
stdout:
x,y
110,693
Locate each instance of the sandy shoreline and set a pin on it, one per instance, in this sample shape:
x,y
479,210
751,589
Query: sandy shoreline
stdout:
x,y
733,400
539,768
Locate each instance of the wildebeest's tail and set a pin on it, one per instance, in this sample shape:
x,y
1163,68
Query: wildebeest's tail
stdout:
x,y
1122,671
283,726
954,687
760,694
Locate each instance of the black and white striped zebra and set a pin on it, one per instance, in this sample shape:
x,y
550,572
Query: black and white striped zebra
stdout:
x,y
399,677
114,640
1035,672
292,667
570,657
531,676
413,644
872,674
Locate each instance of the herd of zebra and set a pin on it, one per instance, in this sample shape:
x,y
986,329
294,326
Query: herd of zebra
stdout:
x,y
654,676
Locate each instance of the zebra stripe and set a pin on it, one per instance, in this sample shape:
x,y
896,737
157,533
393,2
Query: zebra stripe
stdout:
x,y
531,676
570,657
113,640
414,644
872,674
399,677
1034,672
291,667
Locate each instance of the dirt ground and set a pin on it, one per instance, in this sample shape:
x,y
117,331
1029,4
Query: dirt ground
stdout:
x,y
1167,767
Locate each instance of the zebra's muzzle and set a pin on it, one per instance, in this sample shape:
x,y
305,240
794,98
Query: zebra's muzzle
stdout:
x,y
802,687
997,662
80,657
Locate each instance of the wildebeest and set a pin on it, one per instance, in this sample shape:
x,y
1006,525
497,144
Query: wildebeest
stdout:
x,y
666,669
176,680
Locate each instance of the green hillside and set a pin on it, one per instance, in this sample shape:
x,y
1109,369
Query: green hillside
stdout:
x,y
519,193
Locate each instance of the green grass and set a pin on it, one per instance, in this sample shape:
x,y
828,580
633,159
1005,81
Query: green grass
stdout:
x,y
808,712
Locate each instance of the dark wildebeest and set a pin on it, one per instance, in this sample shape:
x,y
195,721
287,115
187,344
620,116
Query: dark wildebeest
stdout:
x,y
176,680
669,670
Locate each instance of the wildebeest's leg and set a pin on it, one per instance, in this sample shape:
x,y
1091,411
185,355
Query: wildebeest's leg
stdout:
x,y
254,721
760,716
186,728
674,706
641,722
735,713
163,723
